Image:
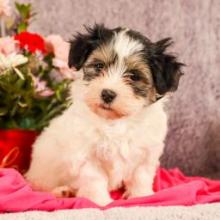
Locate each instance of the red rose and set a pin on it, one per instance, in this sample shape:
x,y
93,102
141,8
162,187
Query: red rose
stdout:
x,y
30,41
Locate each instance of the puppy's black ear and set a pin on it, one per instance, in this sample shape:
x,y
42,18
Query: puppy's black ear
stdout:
x,y
83,44
165,68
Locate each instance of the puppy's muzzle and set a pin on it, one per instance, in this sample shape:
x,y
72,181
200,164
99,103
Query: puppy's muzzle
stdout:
x,y
108,96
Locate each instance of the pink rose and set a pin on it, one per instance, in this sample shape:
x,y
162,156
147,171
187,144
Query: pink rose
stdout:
x,y
41,88
64,69
8,45
58,46
60,49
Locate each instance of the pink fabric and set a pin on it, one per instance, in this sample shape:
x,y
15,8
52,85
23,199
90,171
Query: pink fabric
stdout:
x,y
171,187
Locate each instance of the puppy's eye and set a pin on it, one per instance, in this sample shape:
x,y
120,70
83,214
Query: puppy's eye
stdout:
x,y
99,66
135,76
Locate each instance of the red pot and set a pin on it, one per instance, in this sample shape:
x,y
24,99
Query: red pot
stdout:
x,y
15,148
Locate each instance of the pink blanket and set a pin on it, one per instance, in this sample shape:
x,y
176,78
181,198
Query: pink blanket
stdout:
x,y
171,187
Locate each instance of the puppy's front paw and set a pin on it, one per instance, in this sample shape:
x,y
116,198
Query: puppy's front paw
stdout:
x,y
138,193
99,196
102,201
63,191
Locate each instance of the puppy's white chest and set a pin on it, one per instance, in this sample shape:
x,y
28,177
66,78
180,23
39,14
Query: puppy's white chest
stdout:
x,y
113,143
119,152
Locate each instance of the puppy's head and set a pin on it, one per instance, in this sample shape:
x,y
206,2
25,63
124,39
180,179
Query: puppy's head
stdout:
x,y
123,70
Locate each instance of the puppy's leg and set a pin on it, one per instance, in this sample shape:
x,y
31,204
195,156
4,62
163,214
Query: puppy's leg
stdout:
x,y
93,184
141,182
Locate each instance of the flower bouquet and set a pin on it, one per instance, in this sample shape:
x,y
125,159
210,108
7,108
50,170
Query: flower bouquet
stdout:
x,y
34,80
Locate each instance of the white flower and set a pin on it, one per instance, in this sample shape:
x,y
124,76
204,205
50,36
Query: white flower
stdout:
x,y
5,9
11,61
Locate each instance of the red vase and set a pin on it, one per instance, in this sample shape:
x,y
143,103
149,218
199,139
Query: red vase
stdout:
x,y
15,148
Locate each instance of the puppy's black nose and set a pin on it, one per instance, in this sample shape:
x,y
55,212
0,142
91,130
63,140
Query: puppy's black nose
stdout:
x,y
108,95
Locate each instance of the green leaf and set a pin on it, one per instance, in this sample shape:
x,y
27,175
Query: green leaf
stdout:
x,y
9,123
13,110
22,104
19,83
19,73
23,9
27,123
3,111
22,27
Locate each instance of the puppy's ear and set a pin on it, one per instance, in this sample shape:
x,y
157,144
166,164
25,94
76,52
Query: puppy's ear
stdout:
x,y
83,44
165,68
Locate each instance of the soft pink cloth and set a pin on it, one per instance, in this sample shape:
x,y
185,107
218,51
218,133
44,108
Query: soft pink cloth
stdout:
x,y
171,187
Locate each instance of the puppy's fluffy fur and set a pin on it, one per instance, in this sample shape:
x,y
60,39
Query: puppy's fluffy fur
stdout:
x,y
113,133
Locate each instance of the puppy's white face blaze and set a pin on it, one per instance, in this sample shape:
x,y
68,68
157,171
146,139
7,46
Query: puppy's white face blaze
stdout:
x,y
118,67
125,46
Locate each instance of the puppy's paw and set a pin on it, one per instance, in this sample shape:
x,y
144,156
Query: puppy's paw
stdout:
x,y
102,200
98,196
63,191
138,193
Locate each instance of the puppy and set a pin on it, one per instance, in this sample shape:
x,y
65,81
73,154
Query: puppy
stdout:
x,y
113,133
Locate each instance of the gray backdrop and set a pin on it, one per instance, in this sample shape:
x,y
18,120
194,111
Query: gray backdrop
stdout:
x,y
193,142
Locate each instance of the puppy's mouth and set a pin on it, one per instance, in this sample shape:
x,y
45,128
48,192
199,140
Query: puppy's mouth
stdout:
x,y
107,111
106,107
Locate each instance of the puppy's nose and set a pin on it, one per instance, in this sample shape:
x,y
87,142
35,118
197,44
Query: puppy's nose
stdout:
x,y
108,95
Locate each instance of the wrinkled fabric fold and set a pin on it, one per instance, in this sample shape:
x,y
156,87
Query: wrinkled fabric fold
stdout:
x,y
171,188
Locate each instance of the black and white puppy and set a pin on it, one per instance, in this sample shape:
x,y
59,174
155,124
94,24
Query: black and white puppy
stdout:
x,y
113,133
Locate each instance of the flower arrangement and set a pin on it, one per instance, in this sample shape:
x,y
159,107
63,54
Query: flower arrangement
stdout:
x,y
34,75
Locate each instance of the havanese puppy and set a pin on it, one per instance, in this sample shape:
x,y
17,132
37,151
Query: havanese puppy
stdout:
x,y
113,133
